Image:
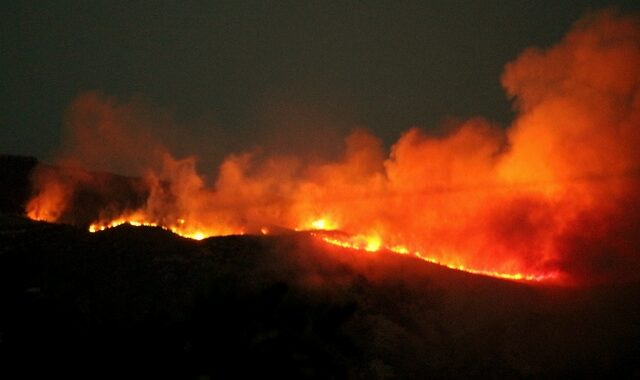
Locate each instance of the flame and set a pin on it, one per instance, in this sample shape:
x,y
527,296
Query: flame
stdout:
x,y
181,227
366,243
373,243
323,224
47,206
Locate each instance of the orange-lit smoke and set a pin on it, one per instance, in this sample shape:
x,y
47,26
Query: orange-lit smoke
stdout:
x,y
557,193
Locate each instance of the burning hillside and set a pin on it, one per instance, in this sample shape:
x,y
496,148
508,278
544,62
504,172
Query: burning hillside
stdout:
x,y
144,301
555,196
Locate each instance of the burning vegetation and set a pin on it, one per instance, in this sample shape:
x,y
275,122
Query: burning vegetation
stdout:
x,y
555,196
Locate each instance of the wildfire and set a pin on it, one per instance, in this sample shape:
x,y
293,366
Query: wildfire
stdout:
x,y
365,243
179,228
554,195
321,224
374,244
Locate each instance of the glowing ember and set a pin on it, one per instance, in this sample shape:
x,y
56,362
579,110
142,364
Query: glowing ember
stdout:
x,y
321,224
366,243
374,244
180,228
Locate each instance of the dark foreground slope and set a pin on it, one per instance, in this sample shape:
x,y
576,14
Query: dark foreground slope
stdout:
x,y
144,301
15,184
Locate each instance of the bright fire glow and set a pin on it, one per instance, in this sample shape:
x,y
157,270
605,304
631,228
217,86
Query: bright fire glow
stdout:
x,y
179,228
365,243
374,244
323,224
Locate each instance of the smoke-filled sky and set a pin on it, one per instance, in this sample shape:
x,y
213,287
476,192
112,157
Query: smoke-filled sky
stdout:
x,y
220,77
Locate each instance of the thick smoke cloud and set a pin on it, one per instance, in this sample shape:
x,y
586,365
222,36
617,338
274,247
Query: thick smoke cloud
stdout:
x,y
557,191
106,135
576,139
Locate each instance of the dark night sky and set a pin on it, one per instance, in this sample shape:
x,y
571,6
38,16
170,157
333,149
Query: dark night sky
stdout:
x,y
226,68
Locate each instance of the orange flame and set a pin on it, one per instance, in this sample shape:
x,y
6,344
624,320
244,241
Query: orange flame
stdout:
x,y
373,243
376,246
181,227
366,243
